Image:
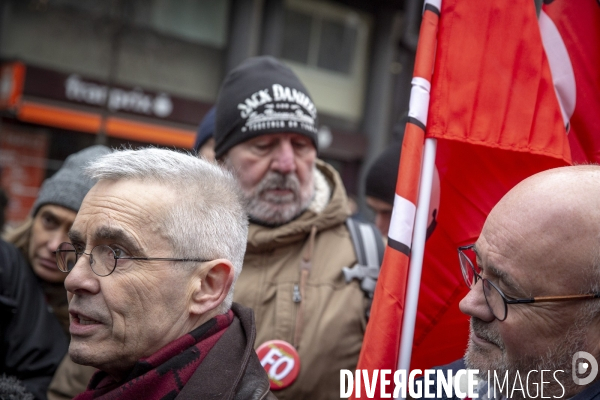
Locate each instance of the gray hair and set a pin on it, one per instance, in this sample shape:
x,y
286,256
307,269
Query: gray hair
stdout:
x,y
208,221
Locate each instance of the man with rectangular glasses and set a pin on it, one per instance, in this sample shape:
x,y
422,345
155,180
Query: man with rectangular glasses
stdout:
x,y
152,259
534,275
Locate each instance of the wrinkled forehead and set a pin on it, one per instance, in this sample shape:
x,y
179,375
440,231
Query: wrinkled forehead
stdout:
x,y
537,252
129,211
548,228
105,233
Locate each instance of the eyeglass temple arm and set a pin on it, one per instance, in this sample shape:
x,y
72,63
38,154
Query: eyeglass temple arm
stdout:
x,y
522,301
555,298
161,259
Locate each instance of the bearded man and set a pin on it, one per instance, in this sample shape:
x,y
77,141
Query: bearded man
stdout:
x,y
534,275
266,133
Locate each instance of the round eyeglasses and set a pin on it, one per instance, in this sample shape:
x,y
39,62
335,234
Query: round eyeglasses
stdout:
x,y
103,258
496,300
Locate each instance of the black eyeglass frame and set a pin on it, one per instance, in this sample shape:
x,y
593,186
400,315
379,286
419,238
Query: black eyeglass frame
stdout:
x,y
79,254
507,300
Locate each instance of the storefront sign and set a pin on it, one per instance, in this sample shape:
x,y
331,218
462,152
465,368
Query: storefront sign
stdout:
x,y
135,100
84,91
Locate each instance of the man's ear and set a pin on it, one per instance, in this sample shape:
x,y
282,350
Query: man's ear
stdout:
x,y
212,283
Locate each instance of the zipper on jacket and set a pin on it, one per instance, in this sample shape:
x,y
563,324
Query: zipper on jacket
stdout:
x,y
300,289
296,297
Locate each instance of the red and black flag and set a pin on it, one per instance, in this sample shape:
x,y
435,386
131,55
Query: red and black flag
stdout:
x,y
495,115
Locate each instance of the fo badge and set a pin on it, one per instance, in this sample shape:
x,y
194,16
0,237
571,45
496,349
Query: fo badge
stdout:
x,y
281,361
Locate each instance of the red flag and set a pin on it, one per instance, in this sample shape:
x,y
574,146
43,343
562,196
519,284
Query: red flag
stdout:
x,y
571,34
382,338
496,116
495,112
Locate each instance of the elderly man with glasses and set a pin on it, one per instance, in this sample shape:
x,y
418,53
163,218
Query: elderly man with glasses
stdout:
x,y
534,275
152,259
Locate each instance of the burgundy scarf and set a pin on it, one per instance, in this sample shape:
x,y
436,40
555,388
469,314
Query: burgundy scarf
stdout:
x,y
162,375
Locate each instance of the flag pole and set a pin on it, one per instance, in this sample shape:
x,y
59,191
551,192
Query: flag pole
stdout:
x,y
416,255
418,111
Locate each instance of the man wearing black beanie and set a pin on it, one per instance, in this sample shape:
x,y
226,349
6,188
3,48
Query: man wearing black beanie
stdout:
x,y
262,96
298,243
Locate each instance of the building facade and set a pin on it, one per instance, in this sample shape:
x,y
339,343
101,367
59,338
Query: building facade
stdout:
x,y
144,72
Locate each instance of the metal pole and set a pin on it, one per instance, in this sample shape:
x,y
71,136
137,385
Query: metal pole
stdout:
x,y
416,254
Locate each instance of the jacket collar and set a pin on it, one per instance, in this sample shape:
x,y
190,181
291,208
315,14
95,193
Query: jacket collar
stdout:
x,y
231,369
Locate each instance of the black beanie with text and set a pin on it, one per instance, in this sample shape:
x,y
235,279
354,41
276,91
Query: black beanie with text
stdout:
x,y
262,96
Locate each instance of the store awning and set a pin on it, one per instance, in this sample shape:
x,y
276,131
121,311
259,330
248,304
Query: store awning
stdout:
x,y
71,101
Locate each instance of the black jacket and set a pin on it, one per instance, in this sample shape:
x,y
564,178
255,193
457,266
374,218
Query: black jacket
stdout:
x,y
32,343
590,393
231,370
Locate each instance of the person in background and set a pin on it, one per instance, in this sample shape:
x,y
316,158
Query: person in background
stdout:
x,y
380,186
152,259
298,242
51,218
32,343
52,215
205,141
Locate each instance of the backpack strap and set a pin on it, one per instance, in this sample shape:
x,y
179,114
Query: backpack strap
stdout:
x,y
369,249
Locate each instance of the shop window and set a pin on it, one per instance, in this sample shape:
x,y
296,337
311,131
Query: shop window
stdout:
x,y
320,37
196,21
296,36
336,46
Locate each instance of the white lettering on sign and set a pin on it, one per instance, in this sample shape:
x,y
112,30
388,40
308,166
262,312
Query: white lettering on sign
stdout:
x,y
281,365
135,100
85,92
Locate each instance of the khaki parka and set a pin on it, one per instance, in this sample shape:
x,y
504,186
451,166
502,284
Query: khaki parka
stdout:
x,y
319,313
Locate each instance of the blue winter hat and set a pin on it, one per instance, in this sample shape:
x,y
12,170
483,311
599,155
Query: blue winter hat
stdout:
x,y
206,129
